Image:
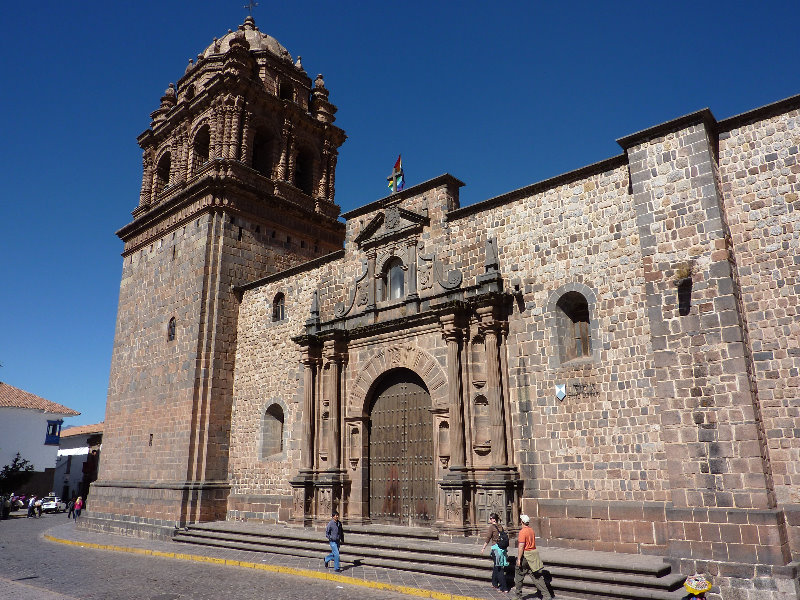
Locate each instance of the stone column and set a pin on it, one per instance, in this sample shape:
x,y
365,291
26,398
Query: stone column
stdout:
x,y
371,299
332,176
332,395
322,189
215,150
412,268
310,361
283,162
494,390
452,335
147,178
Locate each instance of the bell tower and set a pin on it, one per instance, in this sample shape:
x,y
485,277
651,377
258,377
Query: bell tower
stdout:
x,y
238,182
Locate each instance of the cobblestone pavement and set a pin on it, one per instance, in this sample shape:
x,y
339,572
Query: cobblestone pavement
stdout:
x,y
33,568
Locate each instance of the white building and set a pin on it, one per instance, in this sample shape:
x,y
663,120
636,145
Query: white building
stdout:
x,y
31,426
78,457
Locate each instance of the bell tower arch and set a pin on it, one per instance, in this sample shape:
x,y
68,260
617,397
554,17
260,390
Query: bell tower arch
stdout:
x,y
221,203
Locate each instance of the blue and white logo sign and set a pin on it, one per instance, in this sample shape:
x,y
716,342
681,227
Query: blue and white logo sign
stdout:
x,y
561,391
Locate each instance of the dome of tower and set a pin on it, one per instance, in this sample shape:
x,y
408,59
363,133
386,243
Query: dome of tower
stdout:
x,y
256,39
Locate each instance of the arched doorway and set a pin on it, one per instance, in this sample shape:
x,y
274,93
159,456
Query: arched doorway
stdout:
x,y
401,469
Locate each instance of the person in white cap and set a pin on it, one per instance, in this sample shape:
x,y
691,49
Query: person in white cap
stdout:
x,y
528,561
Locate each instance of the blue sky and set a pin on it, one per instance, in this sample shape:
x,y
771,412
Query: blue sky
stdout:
x,y
500,94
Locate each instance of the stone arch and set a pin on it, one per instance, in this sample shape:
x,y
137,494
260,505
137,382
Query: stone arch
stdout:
x,y
402,356
306,164
551,321
201,144
163,176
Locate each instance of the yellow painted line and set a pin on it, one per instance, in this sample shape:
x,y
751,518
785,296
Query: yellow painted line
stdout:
x,y
376,585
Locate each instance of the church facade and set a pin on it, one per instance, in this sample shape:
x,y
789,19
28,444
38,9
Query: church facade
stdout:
x,y
614,351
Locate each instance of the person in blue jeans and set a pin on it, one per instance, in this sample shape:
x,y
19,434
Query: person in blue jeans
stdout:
x,y
335,535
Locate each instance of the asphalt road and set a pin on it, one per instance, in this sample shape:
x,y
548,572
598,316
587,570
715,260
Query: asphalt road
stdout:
x,y
34,569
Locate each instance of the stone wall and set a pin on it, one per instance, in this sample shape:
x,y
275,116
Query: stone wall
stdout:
x,y
677,434
758,158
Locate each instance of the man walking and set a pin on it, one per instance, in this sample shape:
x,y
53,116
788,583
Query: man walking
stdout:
x,y
528,561
335,535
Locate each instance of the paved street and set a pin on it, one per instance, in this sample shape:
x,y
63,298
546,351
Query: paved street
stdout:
x,y
34,569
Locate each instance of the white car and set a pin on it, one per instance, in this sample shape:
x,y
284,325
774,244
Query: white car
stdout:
x,y
53,504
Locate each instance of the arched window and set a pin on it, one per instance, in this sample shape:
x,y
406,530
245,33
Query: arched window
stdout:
x,y
162,172
304,172
573,326
272,431
279,307
394,285
262,153
201,147
171,330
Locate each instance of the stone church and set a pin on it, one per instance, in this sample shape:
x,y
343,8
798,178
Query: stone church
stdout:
x,y
614,351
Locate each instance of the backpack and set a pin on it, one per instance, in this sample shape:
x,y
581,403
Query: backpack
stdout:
x,y
502,538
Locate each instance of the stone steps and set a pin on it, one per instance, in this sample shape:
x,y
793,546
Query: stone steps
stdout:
x,y
578,573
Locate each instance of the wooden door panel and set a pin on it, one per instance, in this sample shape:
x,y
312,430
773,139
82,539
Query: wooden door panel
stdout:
x,y
402,476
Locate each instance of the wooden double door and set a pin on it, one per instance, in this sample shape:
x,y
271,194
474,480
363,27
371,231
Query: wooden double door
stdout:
x,y
401,462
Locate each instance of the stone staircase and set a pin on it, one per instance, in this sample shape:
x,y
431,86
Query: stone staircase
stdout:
x,y
575,573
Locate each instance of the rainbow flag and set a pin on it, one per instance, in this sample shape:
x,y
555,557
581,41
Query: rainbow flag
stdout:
x,y
396,180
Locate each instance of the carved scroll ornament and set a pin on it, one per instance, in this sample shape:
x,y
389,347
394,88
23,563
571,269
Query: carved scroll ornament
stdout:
x,y
360,293
431,271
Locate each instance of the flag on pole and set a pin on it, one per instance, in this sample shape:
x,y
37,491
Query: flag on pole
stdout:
x,y
396,181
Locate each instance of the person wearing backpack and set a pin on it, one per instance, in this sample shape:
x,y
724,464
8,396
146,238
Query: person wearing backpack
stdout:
x,y
498,538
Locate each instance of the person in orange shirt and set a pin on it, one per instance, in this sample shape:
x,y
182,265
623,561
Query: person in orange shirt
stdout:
x,y
528,561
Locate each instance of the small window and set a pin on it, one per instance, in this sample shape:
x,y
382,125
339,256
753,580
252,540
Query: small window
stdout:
x,y
171,330
53,433
201,147
685,296
573,326
272,431
394,280
279,308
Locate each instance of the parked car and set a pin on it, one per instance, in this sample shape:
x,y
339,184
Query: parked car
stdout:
x,y
53,504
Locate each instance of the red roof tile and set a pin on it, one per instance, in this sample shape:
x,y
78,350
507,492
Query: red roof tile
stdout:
x,y
16,398
82,429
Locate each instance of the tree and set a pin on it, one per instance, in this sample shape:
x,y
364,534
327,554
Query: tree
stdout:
x,y
15,475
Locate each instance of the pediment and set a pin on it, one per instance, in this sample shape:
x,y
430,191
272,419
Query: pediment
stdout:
x,y
391,223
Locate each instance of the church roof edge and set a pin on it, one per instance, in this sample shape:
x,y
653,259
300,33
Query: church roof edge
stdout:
x,y
539,186
762,112
701,116
410,191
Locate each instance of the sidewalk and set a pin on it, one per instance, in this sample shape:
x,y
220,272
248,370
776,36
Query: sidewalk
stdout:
x,y
411,584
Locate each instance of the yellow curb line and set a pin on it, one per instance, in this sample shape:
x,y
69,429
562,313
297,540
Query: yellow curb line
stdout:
x,y
402,589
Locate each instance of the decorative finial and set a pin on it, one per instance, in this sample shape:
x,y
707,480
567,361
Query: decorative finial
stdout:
x,y
170,91
299,63
319,81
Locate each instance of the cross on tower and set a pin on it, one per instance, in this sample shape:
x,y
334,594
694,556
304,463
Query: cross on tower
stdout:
x,y
396,180
251,4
